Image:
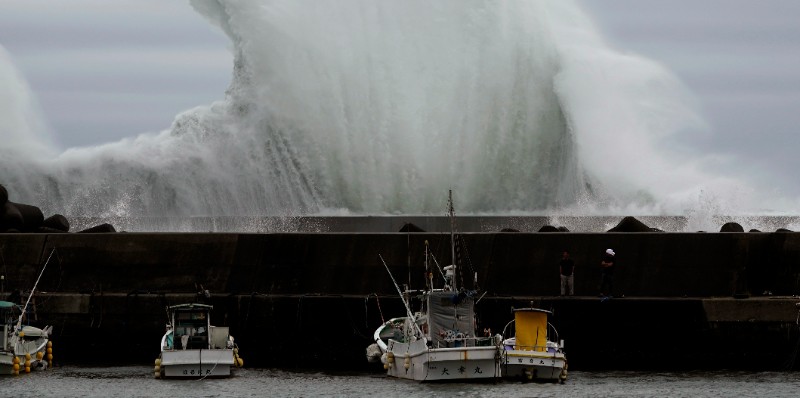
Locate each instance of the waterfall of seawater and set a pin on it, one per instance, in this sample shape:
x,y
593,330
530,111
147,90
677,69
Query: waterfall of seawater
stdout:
x,y
379,107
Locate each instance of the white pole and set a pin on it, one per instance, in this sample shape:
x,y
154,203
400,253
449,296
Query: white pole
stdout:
x,y
25,308
452,239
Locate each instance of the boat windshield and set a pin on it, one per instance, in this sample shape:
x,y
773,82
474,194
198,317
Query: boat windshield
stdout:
x,y
7,313
191,329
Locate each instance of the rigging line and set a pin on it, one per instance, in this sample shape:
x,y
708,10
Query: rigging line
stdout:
x,y
377,300
201,366
405,303
481,297
5,270
437,266
19,321
353,325
464,248
60,279
408,254
366,311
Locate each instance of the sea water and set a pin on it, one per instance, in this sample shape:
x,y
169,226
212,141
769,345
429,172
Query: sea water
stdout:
x,y
137,381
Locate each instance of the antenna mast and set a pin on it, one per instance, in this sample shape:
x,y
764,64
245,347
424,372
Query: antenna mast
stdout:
x,y
451,212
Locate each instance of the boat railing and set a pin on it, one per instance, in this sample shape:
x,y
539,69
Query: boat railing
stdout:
x,y
164,345
467,342
536,348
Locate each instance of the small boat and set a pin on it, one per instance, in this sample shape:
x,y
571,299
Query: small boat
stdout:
x,y
22,348
439,342
534,353
193,348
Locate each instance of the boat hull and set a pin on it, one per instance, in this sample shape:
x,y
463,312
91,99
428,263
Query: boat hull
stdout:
x,y
197,363
32,349
415,361
7,363
534,365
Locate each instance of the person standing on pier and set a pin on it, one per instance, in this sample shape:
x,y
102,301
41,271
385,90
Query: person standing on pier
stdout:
x,y
607,273
567,268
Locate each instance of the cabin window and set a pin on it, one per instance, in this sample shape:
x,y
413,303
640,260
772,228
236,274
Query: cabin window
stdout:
x,y
191,329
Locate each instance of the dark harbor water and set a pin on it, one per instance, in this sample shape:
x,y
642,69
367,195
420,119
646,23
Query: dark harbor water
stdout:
x,y
136,381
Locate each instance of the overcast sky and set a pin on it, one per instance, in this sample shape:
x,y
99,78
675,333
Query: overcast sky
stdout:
x,y
741,58
104,70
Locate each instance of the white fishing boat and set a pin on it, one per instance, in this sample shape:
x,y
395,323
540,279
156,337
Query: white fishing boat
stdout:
x,y
23,348
439,342
534,353
193,348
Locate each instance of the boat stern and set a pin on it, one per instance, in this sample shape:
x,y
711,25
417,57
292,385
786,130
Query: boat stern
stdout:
x,y
196,363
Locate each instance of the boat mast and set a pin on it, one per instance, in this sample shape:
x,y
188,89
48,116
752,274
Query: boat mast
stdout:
x,y
428,273
452,238
25,307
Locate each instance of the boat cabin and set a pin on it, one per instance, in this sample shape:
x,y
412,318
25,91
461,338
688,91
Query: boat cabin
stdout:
x,y
8,320
191,324
451,319
532,329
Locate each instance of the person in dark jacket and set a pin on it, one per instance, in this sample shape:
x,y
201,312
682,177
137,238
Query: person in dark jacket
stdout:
x,y
567,268
607,273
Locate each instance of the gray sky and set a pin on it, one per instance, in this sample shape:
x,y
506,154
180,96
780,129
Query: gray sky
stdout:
x,y
741,59
104,70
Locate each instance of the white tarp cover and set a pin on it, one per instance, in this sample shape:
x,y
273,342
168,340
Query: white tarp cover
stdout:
x,y
450,316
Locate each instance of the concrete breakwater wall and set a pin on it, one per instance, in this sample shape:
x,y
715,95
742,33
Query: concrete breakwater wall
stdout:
x,y
304,299
648,264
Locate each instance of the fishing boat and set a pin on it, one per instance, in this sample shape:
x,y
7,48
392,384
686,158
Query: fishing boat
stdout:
x,y
534,353
23,348
193,348
439,342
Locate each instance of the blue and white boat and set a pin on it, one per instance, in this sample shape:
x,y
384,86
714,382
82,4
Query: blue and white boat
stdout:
x,y
23,348
193,348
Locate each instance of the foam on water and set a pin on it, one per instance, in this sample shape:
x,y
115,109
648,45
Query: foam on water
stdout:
x,y
378,107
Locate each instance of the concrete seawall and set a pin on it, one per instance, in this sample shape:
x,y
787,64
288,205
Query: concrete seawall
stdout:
x,y
303,299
